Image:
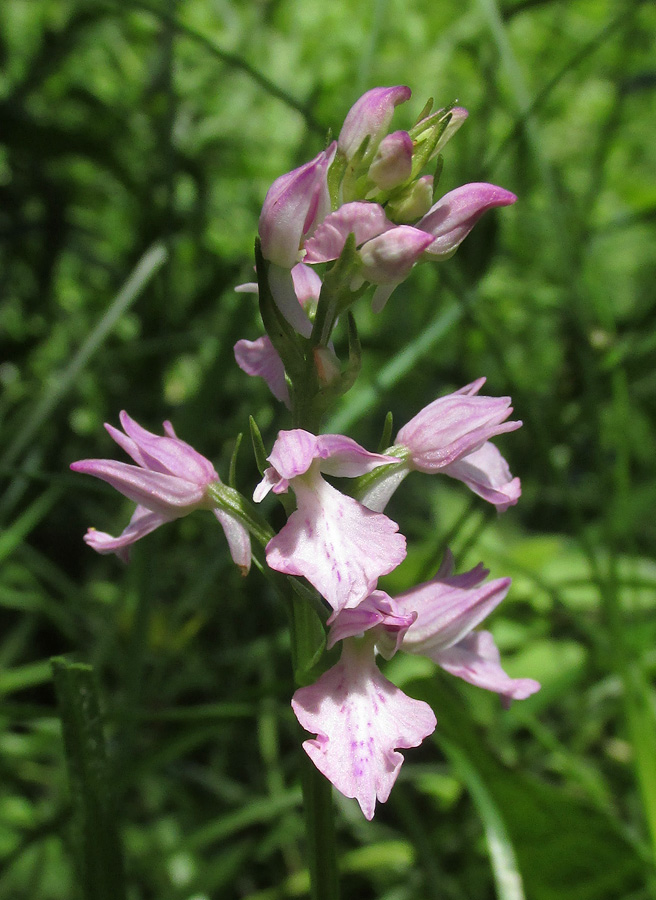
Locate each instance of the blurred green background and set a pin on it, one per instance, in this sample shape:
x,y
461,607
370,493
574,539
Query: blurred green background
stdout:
x,y
137,142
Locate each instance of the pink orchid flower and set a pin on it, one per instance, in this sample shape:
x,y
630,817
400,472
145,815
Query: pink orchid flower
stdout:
x,y
332,540
170,480
451,435
360,719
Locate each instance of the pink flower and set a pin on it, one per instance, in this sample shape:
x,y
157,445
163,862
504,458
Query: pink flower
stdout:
x,y
451,435
294,203
446,610
170,480
332,540
370,117
360,720
453,216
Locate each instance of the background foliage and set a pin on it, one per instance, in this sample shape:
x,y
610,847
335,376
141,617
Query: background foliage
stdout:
x,y
137,142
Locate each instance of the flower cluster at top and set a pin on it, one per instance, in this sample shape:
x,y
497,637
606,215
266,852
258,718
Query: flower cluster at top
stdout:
x,y
364,205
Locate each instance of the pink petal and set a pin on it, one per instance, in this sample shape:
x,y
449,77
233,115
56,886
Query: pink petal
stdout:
x,y
378,610
447,612
290,209
487,474
238,539
293,452
307,285
168,455
370,116
364,220
392,164
360,719
388,258
476,659
452,427
143,521
338,545
453,216
165,494
343,457
260,358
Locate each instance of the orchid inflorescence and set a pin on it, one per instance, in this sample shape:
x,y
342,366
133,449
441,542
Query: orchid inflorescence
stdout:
x,y
359,216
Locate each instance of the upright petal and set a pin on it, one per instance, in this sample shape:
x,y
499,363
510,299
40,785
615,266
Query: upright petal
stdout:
x,y
291,207
370,116
364,220
392,164
360,719
167,454
446,612
452,427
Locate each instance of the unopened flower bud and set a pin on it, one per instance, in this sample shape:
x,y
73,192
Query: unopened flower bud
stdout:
x,y
392,163
370,117
413,203
327,365
294,204
453,216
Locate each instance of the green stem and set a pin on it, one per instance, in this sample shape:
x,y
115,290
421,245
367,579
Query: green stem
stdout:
x,y
320,833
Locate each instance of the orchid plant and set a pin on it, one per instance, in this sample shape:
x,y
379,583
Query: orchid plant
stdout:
x,y
352,222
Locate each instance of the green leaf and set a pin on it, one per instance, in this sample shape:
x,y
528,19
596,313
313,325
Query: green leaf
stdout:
x,y
98,847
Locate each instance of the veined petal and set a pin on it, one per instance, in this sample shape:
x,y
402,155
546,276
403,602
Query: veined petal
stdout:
x,y
143,521
168,455
338,545
260,358
487,474
164,494
476,659
293,452
452,427
360,719
447,612
291,206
